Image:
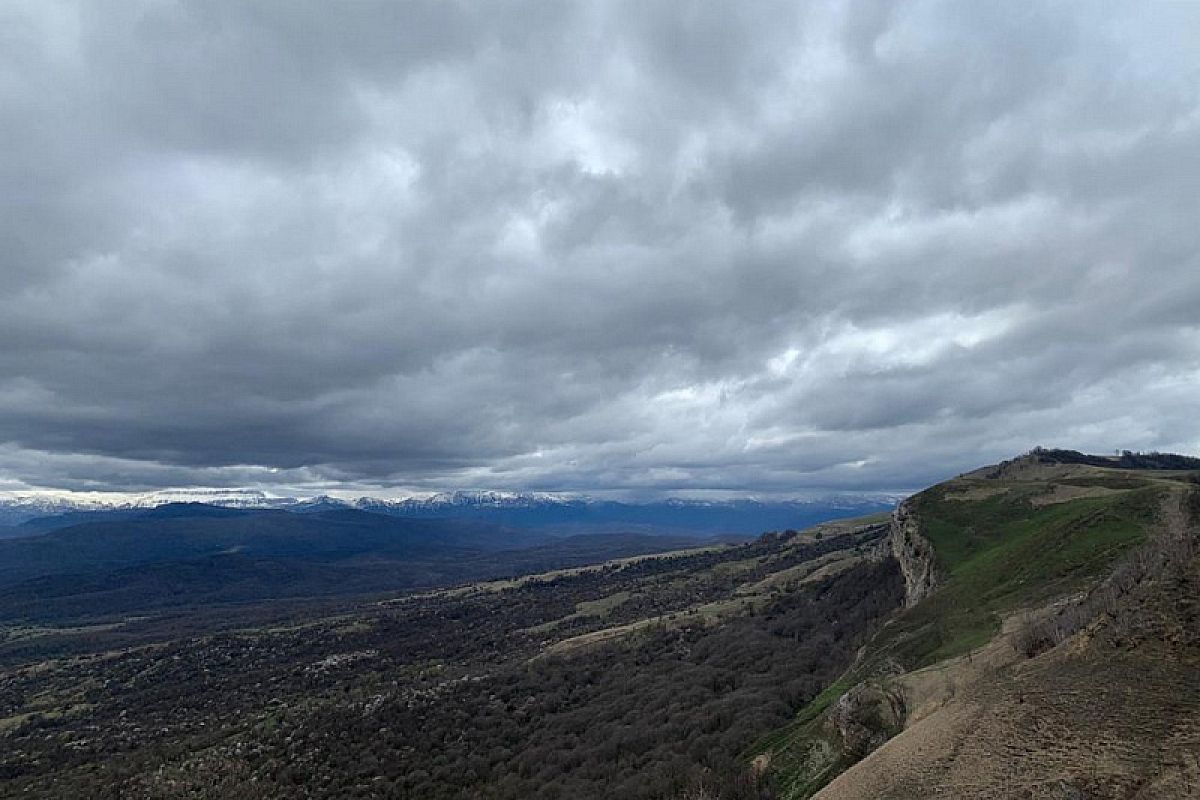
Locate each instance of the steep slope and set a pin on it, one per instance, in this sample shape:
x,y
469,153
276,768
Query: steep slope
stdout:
x,y
1048,647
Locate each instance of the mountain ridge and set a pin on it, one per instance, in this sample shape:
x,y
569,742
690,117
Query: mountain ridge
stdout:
x,y
554,513
1023,568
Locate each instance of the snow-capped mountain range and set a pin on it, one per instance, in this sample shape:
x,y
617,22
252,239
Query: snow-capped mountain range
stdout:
x,y
16,507
518,508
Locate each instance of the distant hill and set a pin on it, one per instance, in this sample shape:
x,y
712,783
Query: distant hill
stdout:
x,y
746,517
179,532
1127,459
250,576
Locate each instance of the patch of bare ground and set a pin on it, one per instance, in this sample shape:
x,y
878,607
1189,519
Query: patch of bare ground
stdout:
x,y
808,572
1027,469
505,584
1063,493
745,599
1112,711
1088,725
977,493
708,614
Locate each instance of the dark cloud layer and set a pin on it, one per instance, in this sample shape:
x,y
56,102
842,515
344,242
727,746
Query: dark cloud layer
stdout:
x,y
663,246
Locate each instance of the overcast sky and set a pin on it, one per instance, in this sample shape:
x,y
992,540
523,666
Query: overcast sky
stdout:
x,y
649,246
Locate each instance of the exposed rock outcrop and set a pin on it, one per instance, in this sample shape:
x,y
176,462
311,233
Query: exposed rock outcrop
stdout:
x,y
867,716
915,554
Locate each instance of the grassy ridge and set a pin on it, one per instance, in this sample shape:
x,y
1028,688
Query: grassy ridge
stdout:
x,y
1002,553
999,550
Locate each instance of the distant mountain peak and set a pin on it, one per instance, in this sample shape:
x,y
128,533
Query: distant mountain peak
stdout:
x,y
230,498
476,498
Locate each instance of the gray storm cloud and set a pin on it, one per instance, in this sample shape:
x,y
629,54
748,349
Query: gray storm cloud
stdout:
x,y
664,246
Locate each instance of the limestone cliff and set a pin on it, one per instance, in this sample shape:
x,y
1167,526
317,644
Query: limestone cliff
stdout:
x,y
915,554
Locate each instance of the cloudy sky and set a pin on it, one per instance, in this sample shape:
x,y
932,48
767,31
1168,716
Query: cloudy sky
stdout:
x,y
635,246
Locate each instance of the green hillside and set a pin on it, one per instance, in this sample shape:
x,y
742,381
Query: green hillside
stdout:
x,y
1006,539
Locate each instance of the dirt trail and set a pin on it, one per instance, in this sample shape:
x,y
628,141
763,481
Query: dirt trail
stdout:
x,y
1175,521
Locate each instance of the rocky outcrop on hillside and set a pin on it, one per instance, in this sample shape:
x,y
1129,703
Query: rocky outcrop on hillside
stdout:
x,y
867,716
915,554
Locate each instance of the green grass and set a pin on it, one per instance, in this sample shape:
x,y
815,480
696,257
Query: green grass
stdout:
x,y
793,746
1002,553
602,607
810,712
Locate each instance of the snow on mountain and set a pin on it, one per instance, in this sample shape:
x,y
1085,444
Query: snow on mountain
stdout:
x,y
470,499
16,508
229,498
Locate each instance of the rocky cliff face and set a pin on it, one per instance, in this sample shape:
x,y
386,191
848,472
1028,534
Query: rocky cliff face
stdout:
x,y
915,554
